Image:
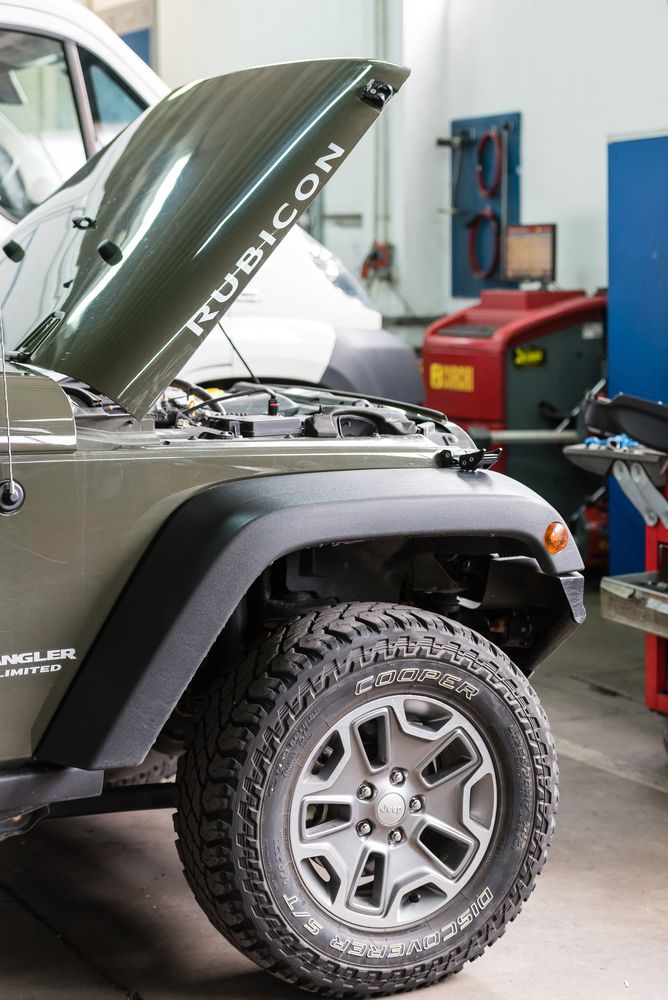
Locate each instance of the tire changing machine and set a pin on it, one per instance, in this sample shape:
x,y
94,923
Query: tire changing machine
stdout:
x,y
636,456
512,370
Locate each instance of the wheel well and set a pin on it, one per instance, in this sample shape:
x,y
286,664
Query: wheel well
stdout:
x,y
494,587
251,553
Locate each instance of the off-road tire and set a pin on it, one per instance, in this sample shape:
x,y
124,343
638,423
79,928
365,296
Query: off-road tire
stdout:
x,y
157,767
262,722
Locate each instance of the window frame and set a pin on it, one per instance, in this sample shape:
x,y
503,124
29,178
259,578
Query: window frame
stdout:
x,y
115,78
79,92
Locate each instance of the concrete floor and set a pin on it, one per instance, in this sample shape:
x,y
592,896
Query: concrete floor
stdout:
x,y
97,909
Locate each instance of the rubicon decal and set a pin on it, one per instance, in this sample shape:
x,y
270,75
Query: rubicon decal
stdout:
x,y
34,663
286,214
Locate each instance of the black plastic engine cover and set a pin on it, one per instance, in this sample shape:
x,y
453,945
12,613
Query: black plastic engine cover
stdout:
x,y
260,425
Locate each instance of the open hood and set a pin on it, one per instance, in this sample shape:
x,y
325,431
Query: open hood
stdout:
x,y
119,276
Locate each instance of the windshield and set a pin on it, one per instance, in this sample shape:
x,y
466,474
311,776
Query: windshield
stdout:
x,y
336,271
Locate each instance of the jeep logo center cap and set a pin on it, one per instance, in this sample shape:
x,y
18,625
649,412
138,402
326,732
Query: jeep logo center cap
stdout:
x,y
391,809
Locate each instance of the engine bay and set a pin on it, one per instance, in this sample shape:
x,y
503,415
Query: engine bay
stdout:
x,y
255,411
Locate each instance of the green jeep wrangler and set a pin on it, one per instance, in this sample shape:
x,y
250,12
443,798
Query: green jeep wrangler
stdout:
x,y
310,599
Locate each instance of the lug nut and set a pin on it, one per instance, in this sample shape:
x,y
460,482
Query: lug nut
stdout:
x,y
415,805
365,791
363,828
396,776
395,837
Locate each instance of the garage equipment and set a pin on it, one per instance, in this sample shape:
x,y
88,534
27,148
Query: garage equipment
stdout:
x,y
511,369
531,253
637,303
636,456
484,197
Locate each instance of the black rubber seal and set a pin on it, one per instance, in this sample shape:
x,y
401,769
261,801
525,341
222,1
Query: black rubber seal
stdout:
x,y
11,500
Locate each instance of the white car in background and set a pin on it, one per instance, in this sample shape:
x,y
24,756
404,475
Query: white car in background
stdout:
x,y
68,85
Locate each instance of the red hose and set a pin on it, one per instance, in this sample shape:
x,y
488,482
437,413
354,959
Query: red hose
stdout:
x,y
489,190
482,217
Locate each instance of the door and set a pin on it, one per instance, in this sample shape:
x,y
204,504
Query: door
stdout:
x,y
59,104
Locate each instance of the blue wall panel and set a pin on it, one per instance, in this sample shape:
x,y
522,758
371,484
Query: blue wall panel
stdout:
x,y
638,304
140,42
469,201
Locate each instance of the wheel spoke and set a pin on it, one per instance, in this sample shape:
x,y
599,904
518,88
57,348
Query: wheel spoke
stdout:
x,y
366,889
479,800
330,865
414,733
325,815
371,734
465,802
413,885
339,765
448,845
444,804
454,758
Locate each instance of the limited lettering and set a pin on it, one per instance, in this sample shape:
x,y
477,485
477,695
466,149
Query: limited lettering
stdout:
x,y
33,663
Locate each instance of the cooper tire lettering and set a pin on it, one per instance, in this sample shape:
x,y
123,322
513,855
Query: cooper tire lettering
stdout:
x,y
408,675
411,675
364,685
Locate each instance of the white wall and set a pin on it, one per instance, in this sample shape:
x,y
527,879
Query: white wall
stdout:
x,y
579,71
424,241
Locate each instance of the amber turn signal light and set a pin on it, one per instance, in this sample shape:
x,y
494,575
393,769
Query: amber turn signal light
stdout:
x,y
556,537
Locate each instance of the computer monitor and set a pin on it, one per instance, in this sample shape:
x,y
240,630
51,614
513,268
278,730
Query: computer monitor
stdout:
x,y
530,253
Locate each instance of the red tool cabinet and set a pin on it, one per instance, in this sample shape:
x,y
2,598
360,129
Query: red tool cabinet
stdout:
x,y
656,647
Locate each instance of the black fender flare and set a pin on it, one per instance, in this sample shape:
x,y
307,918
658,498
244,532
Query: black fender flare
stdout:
x,y
209,552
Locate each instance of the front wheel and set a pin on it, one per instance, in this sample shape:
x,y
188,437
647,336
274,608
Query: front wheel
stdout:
x,y
368,801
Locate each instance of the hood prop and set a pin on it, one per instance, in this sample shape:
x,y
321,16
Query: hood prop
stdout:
x,y
12,493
